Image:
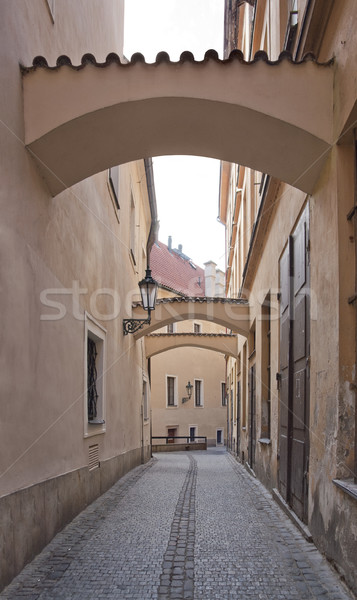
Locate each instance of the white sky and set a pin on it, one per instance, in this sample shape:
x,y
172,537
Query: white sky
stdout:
x,y
186,187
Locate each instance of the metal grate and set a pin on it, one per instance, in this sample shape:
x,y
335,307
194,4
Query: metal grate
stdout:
x,y
92,394
93,457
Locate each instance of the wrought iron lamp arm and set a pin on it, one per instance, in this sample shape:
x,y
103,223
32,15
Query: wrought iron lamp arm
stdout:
x,y
133,325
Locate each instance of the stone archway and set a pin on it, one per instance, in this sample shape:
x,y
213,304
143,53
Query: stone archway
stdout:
x,y
230,313
156,343
275,117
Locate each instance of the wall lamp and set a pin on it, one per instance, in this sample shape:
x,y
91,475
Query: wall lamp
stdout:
x,y
148,291
189,388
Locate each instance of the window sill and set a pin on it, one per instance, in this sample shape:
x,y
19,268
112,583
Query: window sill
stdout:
x,y
265,441
347,485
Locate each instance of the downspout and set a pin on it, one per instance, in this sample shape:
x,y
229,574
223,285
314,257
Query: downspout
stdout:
x,y
154,227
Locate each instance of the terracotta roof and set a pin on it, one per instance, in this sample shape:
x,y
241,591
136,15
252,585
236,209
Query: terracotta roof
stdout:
x,y
163,57
176,272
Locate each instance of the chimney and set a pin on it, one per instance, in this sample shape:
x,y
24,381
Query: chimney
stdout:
x,y
180,248
210,278
169,243
220,281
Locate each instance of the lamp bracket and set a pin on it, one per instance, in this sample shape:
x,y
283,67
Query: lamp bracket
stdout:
x,y
133,325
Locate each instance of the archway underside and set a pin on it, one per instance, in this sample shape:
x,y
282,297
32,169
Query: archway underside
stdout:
x,y
274,117
156,343
232,314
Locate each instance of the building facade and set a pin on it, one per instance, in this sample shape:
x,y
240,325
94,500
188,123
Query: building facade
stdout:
x,y
75,389
291,390
71,382
202,411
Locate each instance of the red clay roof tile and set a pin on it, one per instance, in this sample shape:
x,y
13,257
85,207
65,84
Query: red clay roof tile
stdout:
x,y
179,274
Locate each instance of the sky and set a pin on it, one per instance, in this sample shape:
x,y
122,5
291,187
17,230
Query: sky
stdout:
x,y
187,188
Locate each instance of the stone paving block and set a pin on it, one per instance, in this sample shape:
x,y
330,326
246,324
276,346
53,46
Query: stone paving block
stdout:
x,y
180,528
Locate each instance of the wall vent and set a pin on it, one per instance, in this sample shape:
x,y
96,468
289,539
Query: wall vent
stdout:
x,y
93,457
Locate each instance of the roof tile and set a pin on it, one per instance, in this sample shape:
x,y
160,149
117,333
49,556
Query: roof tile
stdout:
x,y
173,271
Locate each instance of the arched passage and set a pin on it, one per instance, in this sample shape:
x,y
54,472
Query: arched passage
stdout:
x,y
275,117
232,314
156,343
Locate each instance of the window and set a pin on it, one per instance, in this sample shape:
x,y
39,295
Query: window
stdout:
x,y
145,401
198,392
114,185
223,393
292,27
251,341
133,230
94,396
266,369
197,328
171,390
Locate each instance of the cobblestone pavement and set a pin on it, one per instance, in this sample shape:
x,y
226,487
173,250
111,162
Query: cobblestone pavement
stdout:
x,y
186,526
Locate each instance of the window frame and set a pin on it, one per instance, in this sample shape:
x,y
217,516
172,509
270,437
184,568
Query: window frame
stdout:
x,y
200,381
175,399
133,230
223,395
95,331
146,413
195,427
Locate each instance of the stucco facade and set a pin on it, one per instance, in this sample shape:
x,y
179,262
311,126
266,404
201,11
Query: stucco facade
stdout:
x,y
292,406
72,257
69,271
205,412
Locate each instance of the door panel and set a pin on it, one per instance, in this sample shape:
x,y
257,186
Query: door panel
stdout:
x,y
294,369
252,428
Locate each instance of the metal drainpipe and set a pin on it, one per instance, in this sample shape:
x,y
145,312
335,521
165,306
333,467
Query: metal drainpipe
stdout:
x,y
149,172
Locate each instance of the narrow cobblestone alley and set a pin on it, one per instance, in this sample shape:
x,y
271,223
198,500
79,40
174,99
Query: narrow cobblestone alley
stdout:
x,y
184,526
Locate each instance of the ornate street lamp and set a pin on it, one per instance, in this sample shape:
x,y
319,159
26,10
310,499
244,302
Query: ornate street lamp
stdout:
x,y
148,291
189,387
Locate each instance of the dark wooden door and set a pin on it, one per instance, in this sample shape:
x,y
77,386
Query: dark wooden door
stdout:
x,y
252,433
294,369
171,433
238,418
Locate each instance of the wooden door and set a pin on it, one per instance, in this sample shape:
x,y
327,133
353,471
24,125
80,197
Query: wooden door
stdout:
x,y
252,428
238,418
171,433
294,369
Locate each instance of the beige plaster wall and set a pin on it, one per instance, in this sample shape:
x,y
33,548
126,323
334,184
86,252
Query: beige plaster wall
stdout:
x,y
188,364
73,250
332,513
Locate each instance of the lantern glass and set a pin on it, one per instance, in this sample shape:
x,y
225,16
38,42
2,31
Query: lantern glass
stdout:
x,y
148,290
189,387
